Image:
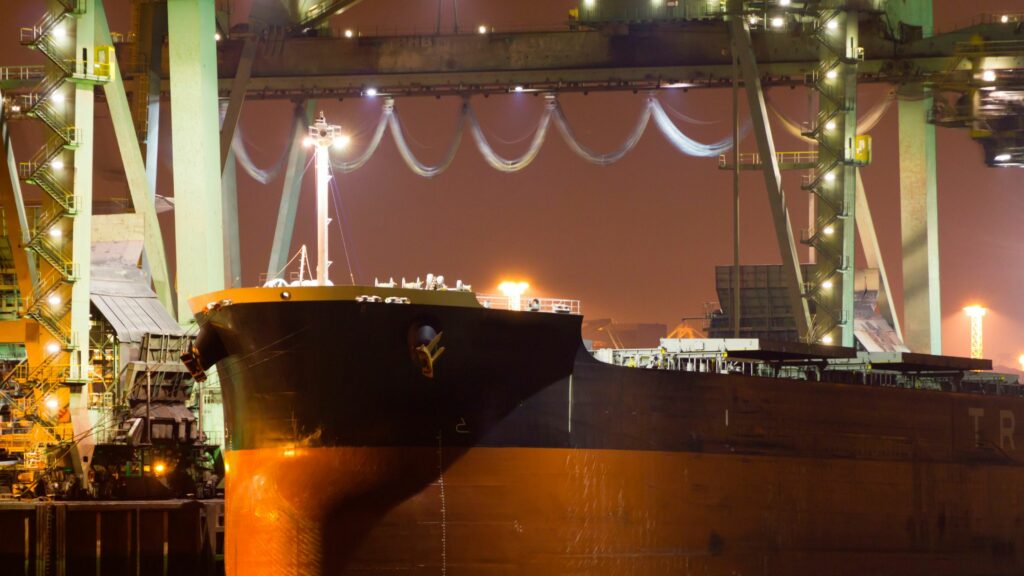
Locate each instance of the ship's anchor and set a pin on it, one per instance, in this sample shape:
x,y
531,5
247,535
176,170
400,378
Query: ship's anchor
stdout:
x,y
428,355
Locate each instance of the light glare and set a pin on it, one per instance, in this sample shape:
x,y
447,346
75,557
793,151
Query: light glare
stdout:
x,y
988,76
514,292
975,311
777,22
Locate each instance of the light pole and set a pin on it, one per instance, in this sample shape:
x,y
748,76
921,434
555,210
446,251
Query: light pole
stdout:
x,y
323,136
976,314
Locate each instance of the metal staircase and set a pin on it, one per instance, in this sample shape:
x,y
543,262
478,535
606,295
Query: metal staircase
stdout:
x,y
47,170
830,180
34,392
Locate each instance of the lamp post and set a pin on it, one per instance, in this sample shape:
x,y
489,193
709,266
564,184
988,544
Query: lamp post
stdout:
x,y
323,135
976,314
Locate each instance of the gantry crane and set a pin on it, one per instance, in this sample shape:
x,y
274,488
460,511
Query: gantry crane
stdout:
x,y
690,42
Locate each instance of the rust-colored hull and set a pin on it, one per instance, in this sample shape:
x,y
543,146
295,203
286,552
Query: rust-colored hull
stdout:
x,y
531,511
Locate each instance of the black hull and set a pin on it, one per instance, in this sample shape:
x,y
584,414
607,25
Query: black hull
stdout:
x,y
331,417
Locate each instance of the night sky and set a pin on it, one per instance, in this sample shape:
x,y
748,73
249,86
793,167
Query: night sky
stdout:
x,y
636,241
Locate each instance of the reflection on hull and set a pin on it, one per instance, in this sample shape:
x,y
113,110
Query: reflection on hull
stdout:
x,y
530,511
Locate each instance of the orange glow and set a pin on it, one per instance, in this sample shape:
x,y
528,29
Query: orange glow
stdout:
x,y
159,468
975,311
514,292
513,288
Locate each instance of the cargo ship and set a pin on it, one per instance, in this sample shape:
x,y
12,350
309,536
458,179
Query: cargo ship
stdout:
x,y
417,429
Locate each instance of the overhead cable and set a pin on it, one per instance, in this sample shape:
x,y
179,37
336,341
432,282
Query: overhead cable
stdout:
x,y
390,121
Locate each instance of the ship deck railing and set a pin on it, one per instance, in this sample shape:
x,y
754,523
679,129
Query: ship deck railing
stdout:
x,y
837,371
530,304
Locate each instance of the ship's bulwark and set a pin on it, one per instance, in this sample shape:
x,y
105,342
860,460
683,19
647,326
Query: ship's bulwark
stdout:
x,y
524,456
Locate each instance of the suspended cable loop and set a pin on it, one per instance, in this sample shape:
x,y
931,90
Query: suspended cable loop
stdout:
x,y
261,175
391,121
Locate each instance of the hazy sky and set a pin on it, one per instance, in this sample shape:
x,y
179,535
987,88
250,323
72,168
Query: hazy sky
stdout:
x,y
636,241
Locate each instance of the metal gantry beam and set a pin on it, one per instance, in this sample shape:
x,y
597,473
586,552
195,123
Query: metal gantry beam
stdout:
x,y
198,220
317,13
82,419
919,224
239,88
136,172
873,257
229,179
693,54
285,226
772,176
154,28
232,243
919,220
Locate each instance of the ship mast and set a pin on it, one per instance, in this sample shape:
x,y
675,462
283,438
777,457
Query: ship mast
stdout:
x,y
322,136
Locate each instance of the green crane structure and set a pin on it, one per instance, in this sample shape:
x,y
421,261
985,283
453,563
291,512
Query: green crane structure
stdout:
x,y
606,45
